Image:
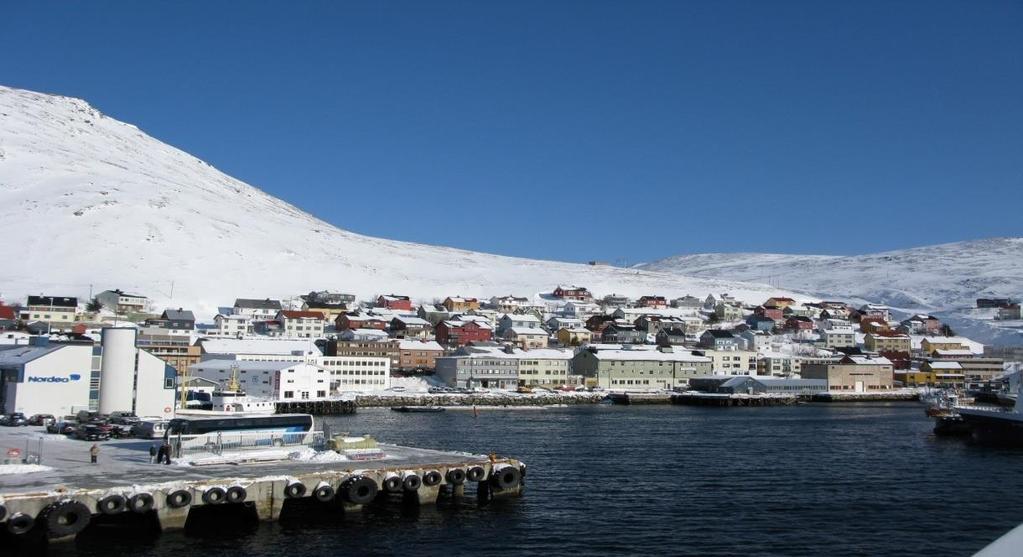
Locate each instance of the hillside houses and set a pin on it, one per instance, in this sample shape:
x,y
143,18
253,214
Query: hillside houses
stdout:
x,y
508,342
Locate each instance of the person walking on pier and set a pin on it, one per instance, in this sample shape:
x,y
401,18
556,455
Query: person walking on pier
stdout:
x,y
94,453
152,454
166,450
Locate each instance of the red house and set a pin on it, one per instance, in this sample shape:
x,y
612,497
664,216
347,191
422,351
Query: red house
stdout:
x,y
656,302
349,321
770,312
7,312
460,333
799,324
394,301
572,293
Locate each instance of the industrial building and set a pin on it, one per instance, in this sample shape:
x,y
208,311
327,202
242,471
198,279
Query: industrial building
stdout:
x,y
64,378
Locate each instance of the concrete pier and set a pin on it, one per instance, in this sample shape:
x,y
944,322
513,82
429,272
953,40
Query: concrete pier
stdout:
x,y
693,398
59,503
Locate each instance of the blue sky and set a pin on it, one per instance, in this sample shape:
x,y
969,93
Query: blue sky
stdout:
x,y
620,131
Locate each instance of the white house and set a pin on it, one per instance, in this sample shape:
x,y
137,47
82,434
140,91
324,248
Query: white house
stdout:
x,y
232,325
301,324
122,302
259,310
526,337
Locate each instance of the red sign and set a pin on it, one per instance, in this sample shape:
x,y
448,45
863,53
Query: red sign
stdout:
x,y
12,453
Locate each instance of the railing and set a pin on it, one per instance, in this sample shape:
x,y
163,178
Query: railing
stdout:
x,y
219,442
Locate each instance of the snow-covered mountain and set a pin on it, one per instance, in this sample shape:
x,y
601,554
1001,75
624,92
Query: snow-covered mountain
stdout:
x,y
943,279
87,202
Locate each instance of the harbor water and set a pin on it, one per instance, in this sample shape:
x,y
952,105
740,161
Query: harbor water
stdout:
x,y
817,479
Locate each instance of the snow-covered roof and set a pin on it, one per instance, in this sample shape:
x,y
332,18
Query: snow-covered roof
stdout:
x,y
412,321
525,317
869,360
267,346
945,365
545,354
526,331
409,344
22,354
649,355
953,352
243,365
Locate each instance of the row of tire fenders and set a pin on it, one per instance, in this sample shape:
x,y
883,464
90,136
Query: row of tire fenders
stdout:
x,y
69,517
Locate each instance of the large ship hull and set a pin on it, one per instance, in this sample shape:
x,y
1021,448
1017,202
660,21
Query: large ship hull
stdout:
x,y
991,427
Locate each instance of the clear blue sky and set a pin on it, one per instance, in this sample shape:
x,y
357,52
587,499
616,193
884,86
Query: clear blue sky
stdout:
x,y
573,130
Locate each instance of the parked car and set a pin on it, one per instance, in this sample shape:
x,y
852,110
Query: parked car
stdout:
x,y
85,416
91,433
123,418
15,420
41,419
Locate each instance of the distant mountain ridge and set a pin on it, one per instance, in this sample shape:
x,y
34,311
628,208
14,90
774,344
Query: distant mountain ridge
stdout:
x,y
90,203
943,278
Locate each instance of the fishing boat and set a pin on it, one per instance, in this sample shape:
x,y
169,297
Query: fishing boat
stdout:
x,y
424,409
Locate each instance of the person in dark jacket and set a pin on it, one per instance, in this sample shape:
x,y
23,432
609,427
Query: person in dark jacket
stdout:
x,y
166,448
94,453
152,454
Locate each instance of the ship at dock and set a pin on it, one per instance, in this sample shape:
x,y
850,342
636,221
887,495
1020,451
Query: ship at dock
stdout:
x,y
986,425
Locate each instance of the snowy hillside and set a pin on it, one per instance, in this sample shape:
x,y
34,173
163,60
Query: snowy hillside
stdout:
x,y
88,200
943,279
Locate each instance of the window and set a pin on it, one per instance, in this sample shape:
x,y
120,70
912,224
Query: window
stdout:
x,y
289,394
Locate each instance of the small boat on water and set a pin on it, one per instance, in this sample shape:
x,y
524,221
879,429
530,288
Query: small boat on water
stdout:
x,y
424,409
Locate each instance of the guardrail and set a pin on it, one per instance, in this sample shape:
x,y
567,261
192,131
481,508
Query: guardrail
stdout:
x,y
217,443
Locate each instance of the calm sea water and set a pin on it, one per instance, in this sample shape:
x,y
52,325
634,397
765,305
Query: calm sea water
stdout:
x,y
607,480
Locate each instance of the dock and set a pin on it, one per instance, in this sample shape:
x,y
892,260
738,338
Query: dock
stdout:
x,y
640,398
878,396
59,498
694,398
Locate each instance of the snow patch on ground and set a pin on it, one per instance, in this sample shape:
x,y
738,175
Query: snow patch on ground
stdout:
x,y
6,469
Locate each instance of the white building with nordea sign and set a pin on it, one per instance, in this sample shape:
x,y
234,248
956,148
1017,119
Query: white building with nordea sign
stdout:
x,y
46,377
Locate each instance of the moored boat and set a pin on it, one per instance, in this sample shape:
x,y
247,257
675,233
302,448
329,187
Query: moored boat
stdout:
x,y
424,409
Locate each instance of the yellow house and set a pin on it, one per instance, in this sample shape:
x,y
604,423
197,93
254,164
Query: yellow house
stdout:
x,y
877,342
780,302
574,337
460,304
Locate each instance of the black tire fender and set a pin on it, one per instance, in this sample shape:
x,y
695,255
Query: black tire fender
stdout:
x,y
323,493
359,490
411,482
179,498
214,496
112,504
392,484
506,478
432,478
294,490
65,518
141,502
455,476
476,474
20,523
236,494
